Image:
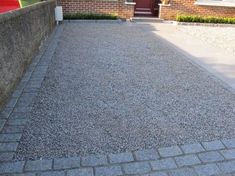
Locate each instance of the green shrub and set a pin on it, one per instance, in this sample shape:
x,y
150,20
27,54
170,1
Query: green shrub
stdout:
x,y
89,16
209,19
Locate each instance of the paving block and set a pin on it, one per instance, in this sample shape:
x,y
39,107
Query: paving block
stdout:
x,y
207,170
183,172
121,157
170,151
10,137
25,174
229,143
6,156
192,148
17,122
156,174
22,109
94,160
108,171
13,129
11,167
81,172
163,164
211,156
38,165
17,115
136,168
66,163
187,160
213,145
52,173
228,153
8,147
148,154
227,166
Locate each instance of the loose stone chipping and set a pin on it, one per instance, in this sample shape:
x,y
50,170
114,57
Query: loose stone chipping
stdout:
x,y
216,155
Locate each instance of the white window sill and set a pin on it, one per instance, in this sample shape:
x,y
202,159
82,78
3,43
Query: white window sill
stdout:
x,y
130,3
220,4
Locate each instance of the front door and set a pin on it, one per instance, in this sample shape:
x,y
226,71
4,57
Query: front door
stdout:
x,y
144,7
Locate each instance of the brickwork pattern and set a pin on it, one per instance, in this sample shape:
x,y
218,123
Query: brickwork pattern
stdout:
x,y
116,7
187,7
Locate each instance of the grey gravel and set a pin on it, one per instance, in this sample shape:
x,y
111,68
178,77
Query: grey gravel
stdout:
x,y
117,87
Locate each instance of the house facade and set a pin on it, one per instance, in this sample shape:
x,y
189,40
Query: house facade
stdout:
x,y
156,8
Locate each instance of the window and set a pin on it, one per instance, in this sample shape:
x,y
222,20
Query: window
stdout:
x,y
224,3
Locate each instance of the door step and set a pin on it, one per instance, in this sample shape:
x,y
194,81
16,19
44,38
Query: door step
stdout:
x,y
147,19
142,13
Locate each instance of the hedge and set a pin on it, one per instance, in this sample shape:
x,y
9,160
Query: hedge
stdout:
x,y
209,19
89,16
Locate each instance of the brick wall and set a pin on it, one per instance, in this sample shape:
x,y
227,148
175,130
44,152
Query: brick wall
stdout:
x,y
117,7
188,7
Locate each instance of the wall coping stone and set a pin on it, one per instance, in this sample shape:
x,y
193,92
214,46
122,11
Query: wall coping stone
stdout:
x,y
19,12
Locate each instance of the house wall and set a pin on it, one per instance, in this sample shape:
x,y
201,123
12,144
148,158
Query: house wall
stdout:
x,y
169,12
22,34
117,7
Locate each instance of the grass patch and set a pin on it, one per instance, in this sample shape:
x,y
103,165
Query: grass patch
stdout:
x,y
89,16
209,19
29,2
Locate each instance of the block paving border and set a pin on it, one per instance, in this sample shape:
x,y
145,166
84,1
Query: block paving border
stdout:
x,y
199,159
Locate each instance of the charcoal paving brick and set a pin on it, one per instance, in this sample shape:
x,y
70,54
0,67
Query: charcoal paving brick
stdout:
x,y
170,151
52,173
187,160
108,171
227,167
207,170
156,174
38,165
13,129
211,156
121,157
10,137
65,163
148,154
94,160
192,148
6,156
17,122
163,164
136,168
183,172
230,143
81,172
11,146
11,167
213,145
228,154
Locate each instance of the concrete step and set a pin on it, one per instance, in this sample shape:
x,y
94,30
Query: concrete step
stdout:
x,y
143,13
147,19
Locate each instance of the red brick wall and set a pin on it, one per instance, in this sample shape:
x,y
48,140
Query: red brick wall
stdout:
x,y
117,7
188,7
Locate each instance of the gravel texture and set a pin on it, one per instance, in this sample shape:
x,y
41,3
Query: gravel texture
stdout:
x,y
117,87
222,37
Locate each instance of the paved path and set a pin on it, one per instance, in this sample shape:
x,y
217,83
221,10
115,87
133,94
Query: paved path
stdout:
x,y
41,134
210,47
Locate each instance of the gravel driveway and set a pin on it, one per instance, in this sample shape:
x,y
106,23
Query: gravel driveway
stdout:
x,y
117,87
